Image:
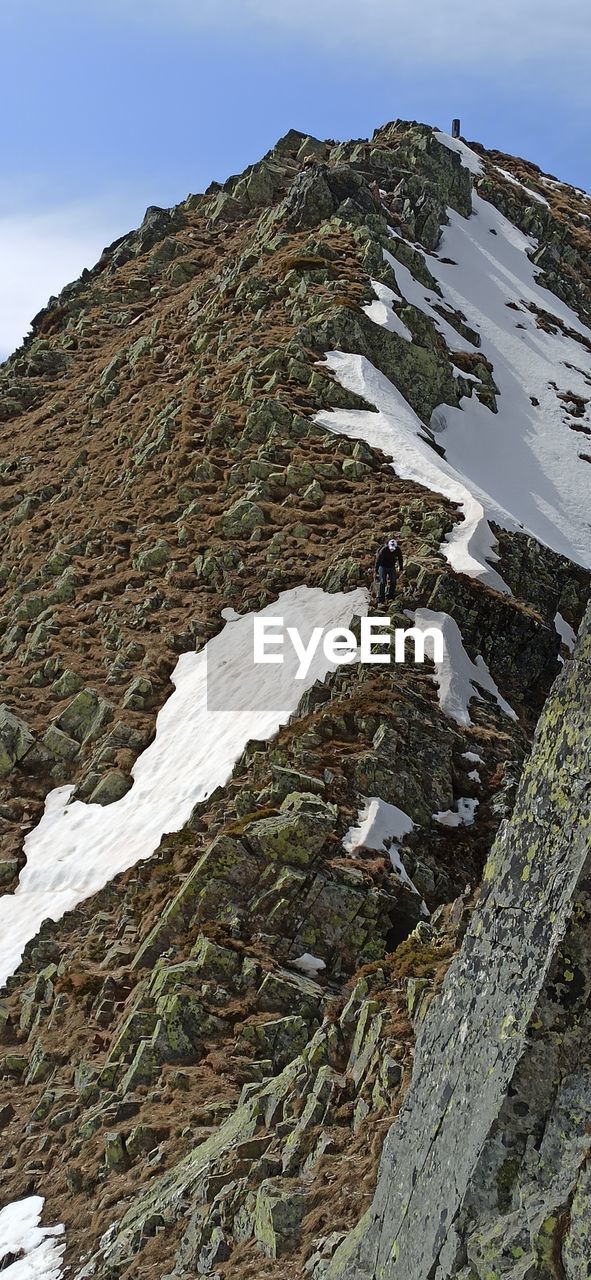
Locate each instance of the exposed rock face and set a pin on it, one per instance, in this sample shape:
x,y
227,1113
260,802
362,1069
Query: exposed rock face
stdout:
x,y
438,1207
15,741
201,1062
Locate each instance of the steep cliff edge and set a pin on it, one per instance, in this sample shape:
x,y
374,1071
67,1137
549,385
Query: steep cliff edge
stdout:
x,y
485,1171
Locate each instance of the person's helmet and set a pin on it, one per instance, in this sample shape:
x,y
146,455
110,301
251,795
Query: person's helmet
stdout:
x,y
392,544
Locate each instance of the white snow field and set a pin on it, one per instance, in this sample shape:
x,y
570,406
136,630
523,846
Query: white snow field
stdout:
x,y
522,466
77,848
20,1232
458,678
525,459
399,433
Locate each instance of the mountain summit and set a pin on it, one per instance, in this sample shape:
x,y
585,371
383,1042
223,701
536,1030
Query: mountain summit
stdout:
x,y
296,977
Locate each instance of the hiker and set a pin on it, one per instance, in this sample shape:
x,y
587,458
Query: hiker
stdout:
x,y
388,560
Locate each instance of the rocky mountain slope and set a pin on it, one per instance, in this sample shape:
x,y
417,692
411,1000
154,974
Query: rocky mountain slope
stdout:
x,y
257,951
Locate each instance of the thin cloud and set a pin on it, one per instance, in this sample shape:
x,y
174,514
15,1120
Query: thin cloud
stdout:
x,y
516,32
40,253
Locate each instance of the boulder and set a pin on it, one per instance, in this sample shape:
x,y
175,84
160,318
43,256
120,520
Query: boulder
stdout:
x,y
242,517
286,781
278,1217
214,962
15,740
84,716
135,696
297,833
116,1158
59,744
111,787
8,870
154,557
318,191
68,684
280,1041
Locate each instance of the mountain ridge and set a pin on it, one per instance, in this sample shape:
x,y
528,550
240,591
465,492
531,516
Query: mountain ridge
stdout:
x,y
195,425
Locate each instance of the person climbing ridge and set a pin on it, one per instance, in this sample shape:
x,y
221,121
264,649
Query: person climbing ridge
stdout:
x,y
388,561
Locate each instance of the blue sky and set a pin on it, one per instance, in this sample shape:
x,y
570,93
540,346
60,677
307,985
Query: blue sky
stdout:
x,y
111,105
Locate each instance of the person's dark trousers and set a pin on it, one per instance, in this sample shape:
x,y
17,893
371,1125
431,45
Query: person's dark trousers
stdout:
x,y
386,575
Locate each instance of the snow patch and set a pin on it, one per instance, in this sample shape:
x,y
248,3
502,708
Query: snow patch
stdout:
x,y
555,185
459,373
399,433
458,678
378,822
400,871
462,816
382,827
565,631
426,300
21,1232
382,312
77,848
308,964
535,195
468,157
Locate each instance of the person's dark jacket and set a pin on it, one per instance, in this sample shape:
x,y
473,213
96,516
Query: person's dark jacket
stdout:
x,y
387,559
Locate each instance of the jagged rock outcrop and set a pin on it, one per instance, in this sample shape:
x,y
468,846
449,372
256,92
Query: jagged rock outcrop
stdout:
x,y
434,1212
